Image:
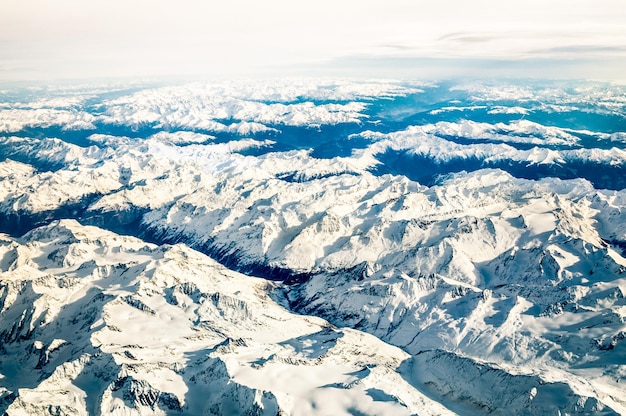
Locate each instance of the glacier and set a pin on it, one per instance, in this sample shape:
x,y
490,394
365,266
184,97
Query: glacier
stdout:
x,y
313,247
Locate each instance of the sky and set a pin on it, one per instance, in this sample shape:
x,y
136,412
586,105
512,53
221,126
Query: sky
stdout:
x,y
77,39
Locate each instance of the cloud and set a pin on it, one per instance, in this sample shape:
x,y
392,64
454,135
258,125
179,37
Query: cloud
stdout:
x,y
582,50
71,38
467,37
429,68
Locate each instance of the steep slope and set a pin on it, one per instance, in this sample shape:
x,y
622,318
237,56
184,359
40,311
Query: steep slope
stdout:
x,y
532,288
479,228
96,323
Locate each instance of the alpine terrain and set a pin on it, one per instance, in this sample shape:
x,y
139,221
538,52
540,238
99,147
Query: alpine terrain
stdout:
x,y
313,247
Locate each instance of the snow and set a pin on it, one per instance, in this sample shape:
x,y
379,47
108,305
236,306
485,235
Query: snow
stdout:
x,y
200,106
429,141
155,315
13,120
480,292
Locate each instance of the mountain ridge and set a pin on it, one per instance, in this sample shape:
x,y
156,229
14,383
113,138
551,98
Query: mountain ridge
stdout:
x,y
408,249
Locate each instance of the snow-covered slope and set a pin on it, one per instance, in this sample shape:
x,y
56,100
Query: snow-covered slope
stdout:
x,y
92,322
478,240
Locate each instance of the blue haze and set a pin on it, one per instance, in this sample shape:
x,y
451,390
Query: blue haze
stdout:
x,y
386,115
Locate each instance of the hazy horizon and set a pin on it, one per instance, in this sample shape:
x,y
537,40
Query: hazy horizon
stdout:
x,y
69,39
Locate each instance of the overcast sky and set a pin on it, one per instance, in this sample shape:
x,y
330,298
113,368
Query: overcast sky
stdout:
x,y
53,39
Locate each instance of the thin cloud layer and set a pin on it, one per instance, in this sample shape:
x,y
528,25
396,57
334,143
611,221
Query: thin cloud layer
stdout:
x,y
73,39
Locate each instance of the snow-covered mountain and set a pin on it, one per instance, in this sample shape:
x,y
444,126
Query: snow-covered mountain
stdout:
x,y
106,324
103,323
447,248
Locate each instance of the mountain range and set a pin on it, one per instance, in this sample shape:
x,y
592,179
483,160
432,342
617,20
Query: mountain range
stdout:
x,y
313,247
